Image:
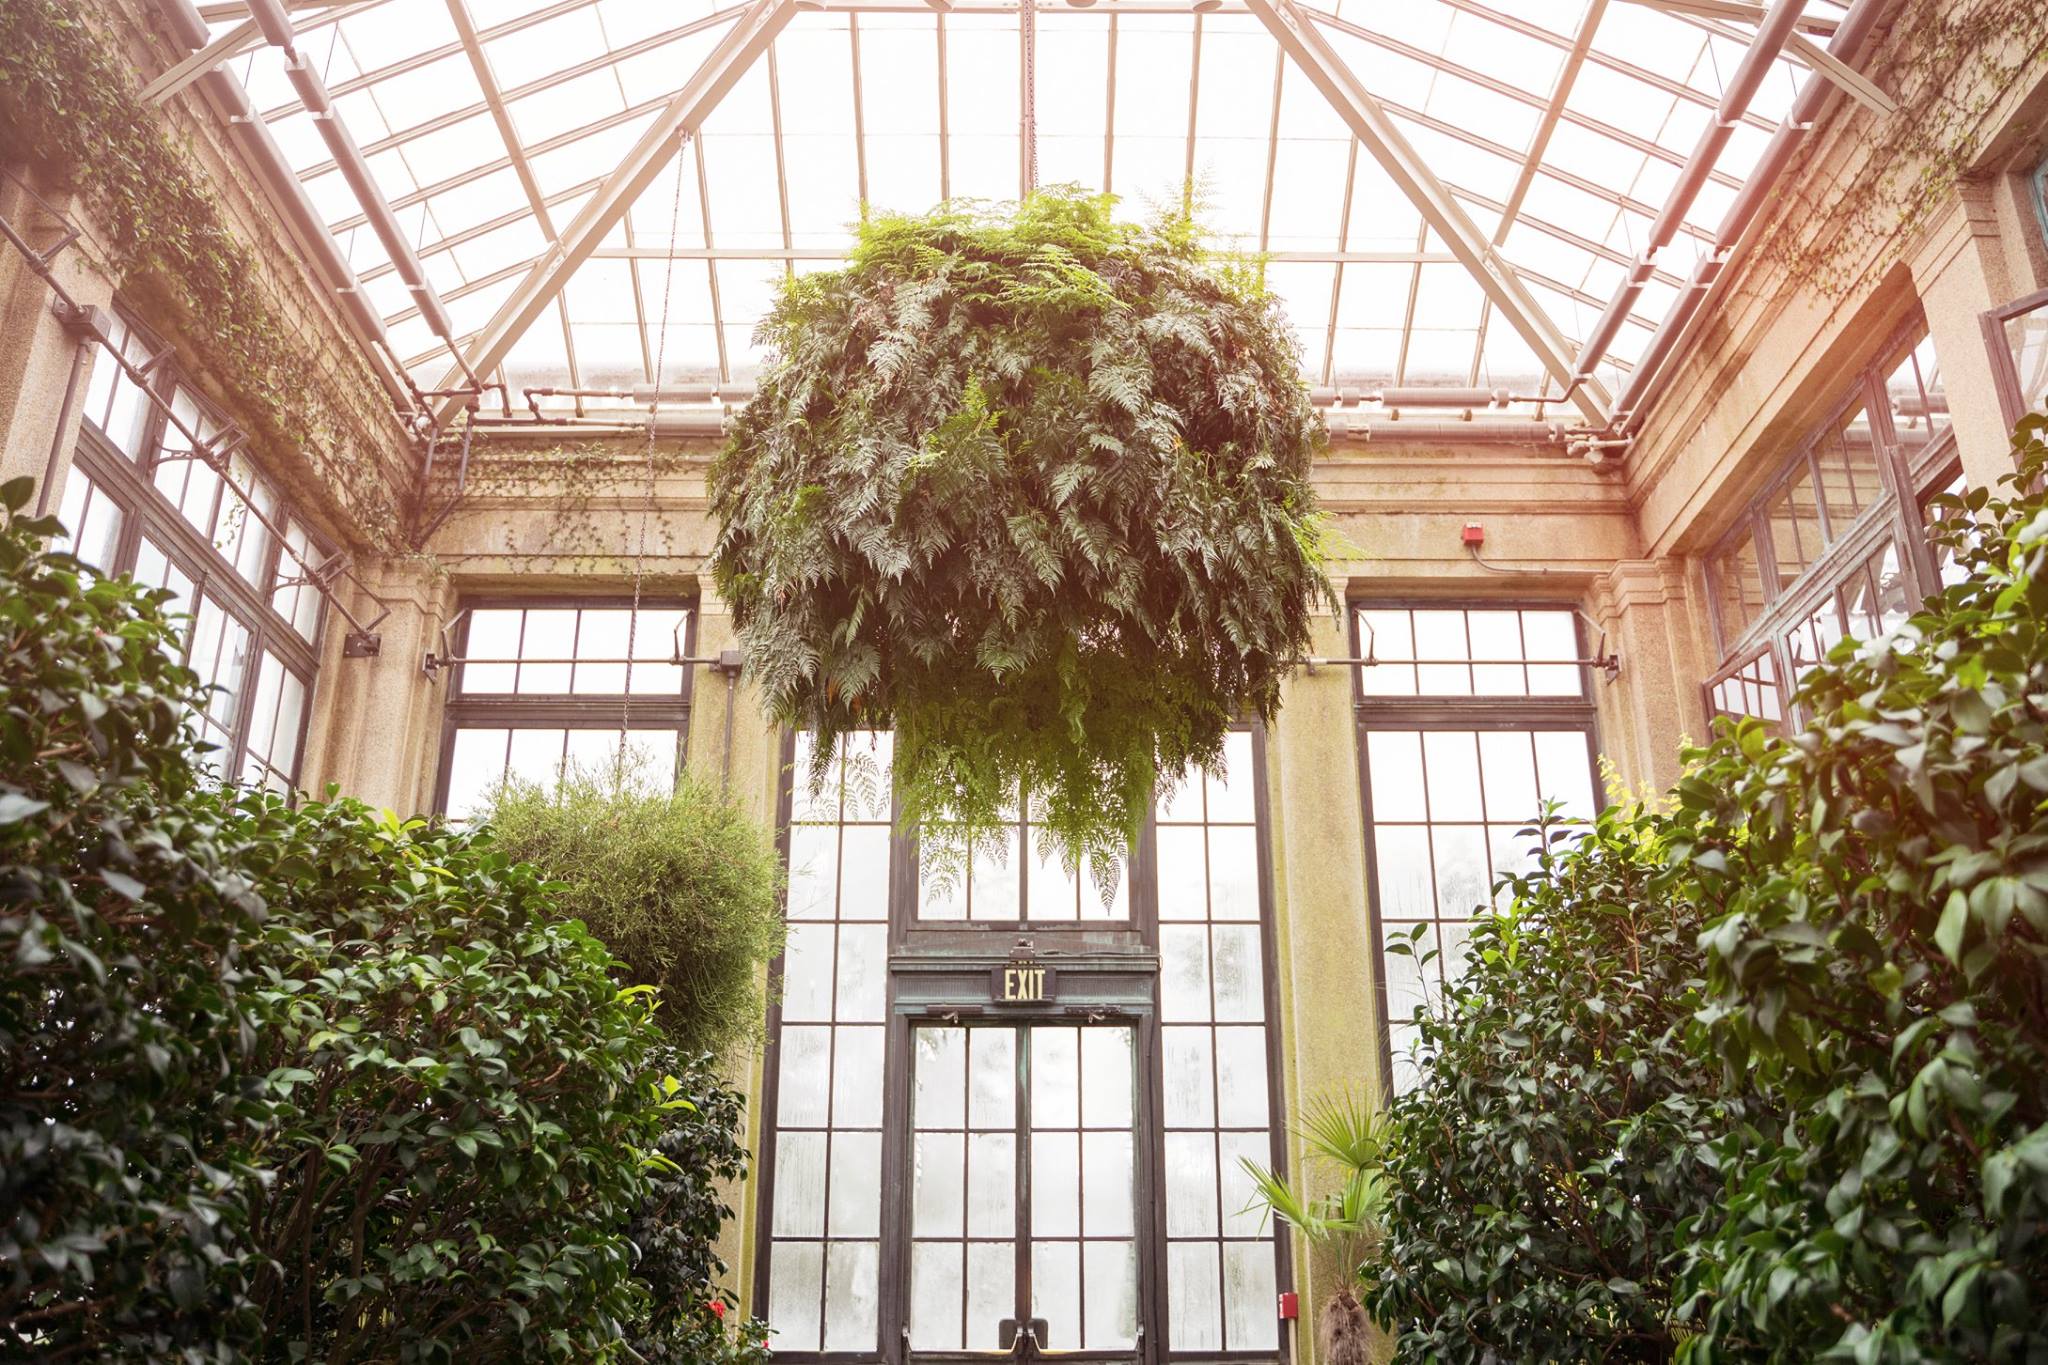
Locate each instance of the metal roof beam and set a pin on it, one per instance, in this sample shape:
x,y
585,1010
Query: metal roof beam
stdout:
x,y
1371,124
721,69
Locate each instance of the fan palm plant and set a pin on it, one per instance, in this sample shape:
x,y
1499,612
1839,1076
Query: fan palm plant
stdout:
x,y
1347,1139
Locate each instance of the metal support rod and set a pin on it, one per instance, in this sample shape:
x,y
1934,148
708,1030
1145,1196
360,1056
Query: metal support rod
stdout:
x,y
1771,34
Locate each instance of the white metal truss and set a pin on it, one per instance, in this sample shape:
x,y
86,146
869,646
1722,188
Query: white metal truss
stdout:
x,y
1326,70
721,69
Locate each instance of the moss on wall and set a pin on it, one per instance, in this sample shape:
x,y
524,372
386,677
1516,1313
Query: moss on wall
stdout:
x,y
69,98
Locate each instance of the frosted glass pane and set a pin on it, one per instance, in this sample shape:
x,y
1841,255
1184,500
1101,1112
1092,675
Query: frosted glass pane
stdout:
x,y
1183,881
1565,770
549,635
813,871
1239,973
1232,795
1452,757
1055,1185
1241,1077
800,1092
1055,1078
1183,973
1243,1214
1508,763
1106,1189
1248,1297
493,634
992,1078
1190,1086
1394,758
1106,1067
940,1096
1234,873
863,971
991,1292
1407,885
795,1285
1194,1305
938,1201
1056,1292
799,1185
856,1209
935,1289
864,872
1190,1185
996,886
807,972
991,1185
1463,879
852,1294
1112,1309
474,767
856,1077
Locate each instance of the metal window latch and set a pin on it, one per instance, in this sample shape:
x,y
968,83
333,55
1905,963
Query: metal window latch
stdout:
x,y
1024,1340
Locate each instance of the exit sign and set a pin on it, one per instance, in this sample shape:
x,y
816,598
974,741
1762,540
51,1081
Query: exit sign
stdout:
x,y
1022,983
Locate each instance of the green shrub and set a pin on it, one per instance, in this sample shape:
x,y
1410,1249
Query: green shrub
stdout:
x,y
684,889
1762,1074
1029,486
282,1083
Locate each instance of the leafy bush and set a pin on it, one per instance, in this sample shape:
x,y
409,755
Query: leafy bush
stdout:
x,y
1560,1133
124,940
1030,486
1763,1075
684,889
283,1083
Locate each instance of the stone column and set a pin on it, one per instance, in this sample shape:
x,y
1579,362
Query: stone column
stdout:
x,y
751,777
39,356
1960,271
1646,609
376,725
1328,1011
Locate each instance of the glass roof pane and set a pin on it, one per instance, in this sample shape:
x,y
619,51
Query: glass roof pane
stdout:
x,y
788,156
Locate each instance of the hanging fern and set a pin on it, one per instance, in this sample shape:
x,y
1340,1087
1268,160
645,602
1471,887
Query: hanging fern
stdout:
x,y
1028,485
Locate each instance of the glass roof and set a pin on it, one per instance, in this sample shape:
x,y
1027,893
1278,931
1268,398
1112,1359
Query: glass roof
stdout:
x,y
488,123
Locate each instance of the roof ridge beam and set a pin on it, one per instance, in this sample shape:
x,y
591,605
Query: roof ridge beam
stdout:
x,y
1306,45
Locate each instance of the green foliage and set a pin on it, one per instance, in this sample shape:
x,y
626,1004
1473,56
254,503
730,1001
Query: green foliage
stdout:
x,y
1762,1075
70,97
283,1083
692,1322
1350,1139
1876,969
683,889
1030,486
1560,1131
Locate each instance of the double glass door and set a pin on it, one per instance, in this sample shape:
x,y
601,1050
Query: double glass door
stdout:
x,y
1024,1218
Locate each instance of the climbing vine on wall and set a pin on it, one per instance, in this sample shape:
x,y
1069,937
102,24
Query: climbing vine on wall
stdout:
x,y
71,99
580,507
1949,67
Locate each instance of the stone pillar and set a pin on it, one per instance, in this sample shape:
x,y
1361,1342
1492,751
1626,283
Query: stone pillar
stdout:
x,y
40,359
751,777
1960,271
1328,1010
376,724
1646,610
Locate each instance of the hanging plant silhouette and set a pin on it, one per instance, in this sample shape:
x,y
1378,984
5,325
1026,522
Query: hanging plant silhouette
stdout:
x,y
1028,485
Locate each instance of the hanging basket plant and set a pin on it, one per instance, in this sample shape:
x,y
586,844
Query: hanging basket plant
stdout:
x,y
1029,486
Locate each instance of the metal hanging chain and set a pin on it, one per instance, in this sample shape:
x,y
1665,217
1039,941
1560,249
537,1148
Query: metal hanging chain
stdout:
x,y
675,217
1027,20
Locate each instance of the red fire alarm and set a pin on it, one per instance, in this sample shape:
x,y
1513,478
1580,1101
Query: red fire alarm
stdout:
x,y
1290,1306
1474,534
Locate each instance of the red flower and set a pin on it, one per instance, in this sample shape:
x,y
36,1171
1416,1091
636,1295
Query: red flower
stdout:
x,y
718,1308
